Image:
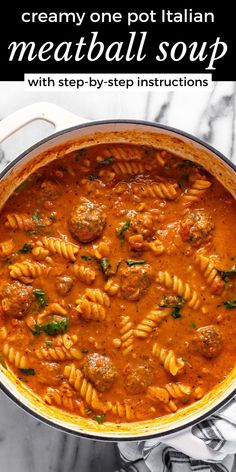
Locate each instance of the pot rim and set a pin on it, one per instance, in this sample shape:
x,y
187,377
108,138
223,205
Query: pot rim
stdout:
x,y
31,411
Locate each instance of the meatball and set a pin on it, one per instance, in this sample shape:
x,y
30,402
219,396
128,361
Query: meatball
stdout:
x,y
143,224
64,284
196,227
139,378
86,222
17,299
50,189
135,281
100,370
208,341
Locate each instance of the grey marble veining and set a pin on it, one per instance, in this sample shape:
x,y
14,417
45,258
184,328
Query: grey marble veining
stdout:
x,y
26,445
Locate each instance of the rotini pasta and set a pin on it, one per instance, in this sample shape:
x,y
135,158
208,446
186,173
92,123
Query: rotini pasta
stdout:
x,y
14,356
58,353
129,167
53,396
27,271
179,288
84,274
90,310
58,246
40,253
111,287
157,247
197,189
163,396
101,250
121,153
168,359
19,221
85,388
97,296
210,273
122,410
127,335
150,322
51,309
163,190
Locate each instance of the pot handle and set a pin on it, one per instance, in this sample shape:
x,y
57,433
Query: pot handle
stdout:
x,y
54,114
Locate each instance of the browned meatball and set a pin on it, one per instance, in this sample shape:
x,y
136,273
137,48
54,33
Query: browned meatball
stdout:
x,y
64,284
208,341
17,299
196,227
139,378
143,224
100,370
86,222
135,281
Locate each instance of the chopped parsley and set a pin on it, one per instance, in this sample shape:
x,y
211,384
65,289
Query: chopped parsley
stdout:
x,y
193,325
107,161
123,229
22,186
86,258
105,266
176,303
27,247
29,371
36,216
52,327
225,274
230,304
131,263
48,343
40,296
99,418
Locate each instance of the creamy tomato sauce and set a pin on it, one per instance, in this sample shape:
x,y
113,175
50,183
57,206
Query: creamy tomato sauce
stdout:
x,y
118,283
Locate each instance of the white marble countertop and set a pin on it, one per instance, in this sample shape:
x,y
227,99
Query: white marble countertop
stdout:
x,y
26,445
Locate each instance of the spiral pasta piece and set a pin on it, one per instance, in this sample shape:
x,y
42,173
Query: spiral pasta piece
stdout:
x,y
162,190
198,187
97,296
40,253
129,167
84,274
58,353
178,390
27,271
90,310
19,221
58,246
168,359
122,153
210,273
15,357
101,250
85,388
122,410
53,396
157,247
161,394
179,288
111,287
127,334
3,333
150,322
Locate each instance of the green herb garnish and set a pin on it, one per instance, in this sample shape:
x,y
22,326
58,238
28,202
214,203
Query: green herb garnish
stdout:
x,y
107,161
120,232
29,371
22,379
86,258
52,327
92,177
225,274
176,303
193,325
229,304
27,247
21,187
131,263
99,418
36,216
40,296
48,343
80,153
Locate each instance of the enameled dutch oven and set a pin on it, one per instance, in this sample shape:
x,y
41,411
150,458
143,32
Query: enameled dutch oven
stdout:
x,y
81,134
